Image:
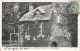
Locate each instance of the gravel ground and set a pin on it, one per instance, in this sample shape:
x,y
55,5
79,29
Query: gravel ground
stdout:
x,y
40,43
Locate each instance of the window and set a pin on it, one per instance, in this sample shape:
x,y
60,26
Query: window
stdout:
x,y
59,19
37,13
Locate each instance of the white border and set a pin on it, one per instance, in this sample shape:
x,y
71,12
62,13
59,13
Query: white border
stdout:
x,y
35,0
32,48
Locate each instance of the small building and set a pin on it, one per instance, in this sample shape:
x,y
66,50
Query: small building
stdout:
x,y
43,22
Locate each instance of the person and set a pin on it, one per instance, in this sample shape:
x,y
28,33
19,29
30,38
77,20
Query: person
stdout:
x,y
54,44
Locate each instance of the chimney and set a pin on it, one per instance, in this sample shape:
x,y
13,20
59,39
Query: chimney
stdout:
x,y
31,7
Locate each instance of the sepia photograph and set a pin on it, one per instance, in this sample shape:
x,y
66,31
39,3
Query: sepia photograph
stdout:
x,y
40,24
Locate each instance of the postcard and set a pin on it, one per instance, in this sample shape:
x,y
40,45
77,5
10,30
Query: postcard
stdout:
x,y
49,25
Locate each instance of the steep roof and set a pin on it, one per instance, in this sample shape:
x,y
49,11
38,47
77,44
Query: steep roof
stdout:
x,y
45,10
